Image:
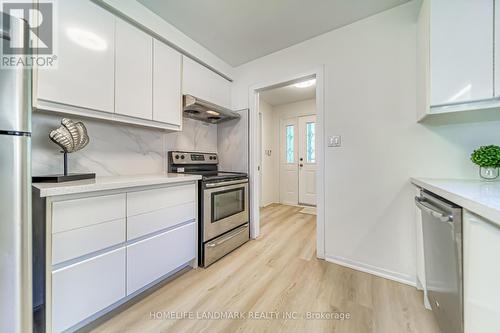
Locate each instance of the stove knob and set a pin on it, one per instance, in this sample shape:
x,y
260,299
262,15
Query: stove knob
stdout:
x,y
183,157
176,157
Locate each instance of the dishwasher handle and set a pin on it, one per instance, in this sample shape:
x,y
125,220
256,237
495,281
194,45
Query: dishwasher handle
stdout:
x,y
433,211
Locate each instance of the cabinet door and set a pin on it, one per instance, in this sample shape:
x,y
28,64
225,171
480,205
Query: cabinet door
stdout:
x,y
85,73
203,83
461,51
134,72
167,76
423,60
153,258
481,275
82,289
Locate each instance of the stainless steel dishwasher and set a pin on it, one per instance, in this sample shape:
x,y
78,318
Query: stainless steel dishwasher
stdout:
x,y
442,228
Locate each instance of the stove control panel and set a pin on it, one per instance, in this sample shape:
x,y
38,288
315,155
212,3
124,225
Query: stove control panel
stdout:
x,y
182,157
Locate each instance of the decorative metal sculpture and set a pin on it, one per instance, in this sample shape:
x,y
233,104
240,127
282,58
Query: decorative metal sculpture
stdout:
x,y
71,137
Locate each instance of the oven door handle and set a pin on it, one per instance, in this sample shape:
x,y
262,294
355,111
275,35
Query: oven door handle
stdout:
x,y
231,182
228,237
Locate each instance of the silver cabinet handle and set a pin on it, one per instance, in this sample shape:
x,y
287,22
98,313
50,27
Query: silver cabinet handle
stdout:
x,y
431,210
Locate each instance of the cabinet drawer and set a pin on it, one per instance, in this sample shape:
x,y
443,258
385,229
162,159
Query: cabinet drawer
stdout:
x,y
81,290
78,213
150,200
78,242
155,257
143,224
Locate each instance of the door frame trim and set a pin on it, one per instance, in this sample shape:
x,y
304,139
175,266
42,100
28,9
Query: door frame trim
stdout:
x,y
253,102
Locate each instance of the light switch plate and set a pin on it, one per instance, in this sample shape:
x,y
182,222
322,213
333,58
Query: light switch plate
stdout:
x,y
335,141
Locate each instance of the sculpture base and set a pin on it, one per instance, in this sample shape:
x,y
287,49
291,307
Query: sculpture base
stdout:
x,y
63,178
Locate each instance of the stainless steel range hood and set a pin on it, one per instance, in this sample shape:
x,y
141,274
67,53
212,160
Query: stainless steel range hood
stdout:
x,y
202,110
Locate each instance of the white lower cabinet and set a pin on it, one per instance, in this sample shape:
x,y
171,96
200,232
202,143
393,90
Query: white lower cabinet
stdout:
x,y
85,288
481,275
152,258
93,265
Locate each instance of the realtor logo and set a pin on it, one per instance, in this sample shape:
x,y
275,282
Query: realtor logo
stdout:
x,y
40,21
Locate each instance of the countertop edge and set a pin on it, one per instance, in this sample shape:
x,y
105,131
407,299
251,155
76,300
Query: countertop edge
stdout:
x,y
473,206
116,185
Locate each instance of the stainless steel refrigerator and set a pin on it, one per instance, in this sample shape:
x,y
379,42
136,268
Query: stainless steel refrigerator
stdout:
x,y
15,186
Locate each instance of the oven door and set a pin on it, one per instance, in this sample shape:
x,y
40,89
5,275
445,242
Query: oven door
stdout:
x,y
225,207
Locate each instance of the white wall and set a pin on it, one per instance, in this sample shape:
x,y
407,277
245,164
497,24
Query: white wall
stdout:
x,y
370,99
269,182
297,109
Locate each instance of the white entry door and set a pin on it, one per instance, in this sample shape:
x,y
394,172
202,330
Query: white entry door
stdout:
x,y
289,182
307,160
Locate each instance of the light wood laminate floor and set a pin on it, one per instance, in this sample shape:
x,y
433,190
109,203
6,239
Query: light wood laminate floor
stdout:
x,y
278,273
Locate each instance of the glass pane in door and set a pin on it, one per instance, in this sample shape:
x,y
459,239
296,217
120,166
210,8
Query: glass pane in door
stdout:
x,y
290,154
227,203
311,142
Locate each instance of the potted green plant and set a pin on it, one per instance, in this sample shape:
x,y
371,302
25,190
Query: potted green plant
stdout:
x,y
488,160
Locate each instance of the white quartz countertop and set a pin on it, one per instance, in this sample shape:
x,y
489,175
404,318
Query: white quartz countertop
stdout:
x,y
111,183
480,197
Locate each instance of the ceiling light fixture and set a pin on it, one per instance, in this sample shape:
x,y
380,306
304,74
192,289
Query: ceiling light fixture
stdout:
x,y
86,39
213,113
305,84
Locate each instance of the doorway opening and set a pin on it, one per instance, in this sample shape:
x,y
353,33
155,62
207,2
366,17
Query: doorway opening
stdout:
x,y
287,118
286,148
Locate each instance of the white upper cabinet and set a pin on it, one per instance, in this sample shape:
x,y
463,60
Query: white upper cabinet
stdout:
x,y
203,83
423,60
461,51
85,73
134,72
167,92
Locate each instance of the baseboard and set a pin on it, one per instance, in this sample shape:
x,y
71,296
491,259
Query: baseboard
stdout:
x,y
377,271
269,204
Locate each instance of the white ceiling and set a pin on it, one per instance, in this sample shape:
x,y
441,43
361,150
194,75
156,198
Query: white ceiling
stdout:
x,y
238,31
288,94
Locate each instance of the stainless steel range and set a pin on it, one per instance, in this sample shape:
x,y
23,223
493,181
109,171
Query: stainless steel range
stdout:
x,y
223,212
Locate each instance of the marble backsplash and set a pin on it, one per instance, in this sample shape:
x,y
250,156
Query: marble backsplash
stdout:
x,y
232,145
116,149
195,136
